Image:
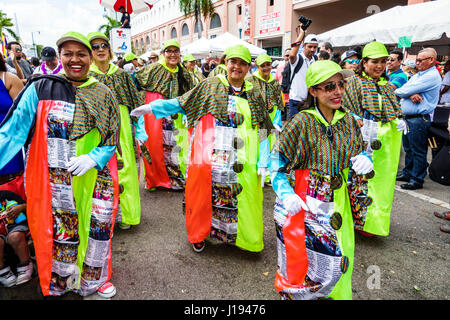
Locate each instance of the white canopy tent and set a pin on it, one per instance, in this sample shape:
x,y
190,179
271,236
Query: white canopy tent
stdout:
x,y
427,23
225,40
199,48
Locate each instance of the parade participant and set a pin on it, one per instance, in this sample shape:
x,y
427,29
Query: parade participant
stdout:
x,y
70,124
223,195
132,131
372,100
50,63
11,175
190,64
168,146
314,225
264,82
221,68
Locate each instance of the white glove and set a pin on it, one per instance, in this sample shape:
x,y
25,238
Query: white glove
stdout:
x,y
361,164
262,173
293,204
80,165
139,111
277,127
402,126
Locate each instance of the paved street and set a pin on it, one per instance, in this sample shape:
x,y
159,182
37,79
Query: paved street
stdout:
x,y
154,261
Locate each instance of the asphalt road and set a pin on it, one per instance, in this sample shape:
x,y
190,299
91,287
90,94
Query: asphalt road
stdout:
x,y
154,261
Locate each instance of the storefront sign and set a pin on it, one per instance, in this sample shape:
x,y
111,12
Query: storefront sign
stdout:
x,y
270,23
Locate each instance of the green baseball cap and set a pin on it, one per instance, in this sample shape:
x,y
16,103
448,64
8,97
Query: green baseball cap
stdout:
x,y
375,50
262,58
171,43
74,36
97,35
323,70
239,51
189,57
129,56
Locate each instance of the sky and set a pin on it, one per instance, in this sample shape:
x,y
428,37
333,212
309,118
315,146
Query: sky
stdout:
x,y
53,18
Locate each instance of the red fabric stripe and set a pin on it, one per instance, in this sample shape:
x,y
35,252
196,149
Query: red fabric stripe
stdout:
x,y
198,191
156,173
112,164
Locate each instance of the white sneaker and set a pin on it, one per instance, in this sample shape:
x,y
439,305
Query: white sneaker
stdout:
x,y
108,290
7,278
25,273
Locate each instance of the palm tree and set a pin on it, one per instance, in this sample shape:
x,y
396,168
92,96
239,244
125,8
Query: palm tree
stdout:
x,y
106,28
197,7
6,24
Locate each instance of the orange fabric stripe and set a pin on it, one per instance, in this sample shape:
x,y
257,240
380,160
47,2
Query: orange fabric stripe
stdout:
x,y
198,191
39,198
156,173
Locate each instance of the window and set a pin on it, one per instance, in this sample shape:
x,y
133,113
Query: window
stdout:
x,y
239,10
147,41
184,30
215,21
173,33
271,2
197,24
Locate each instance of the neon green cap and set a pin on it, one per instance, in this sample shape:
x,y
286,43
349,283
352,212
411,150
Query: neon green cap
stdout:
x,y
74,36
189,57
375,50
262,58
323,70
97,35
239,51
171,43
129,56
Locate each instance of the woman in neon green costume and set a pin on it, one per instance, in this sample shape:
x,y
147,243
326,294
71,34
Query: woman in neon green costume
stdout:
x,y
132,131
223,195
371,99
309,167
168,146
265,82
189,62
70,124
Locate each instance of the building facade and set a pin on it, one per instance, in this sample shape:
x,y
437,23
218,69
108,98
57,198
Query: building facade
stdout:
x,y
269,24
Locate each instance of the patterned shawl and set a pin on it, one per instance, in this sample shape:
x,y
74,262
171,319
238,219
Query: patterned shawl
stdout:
x,y
305,144
270,90
211,97
362,94
121,84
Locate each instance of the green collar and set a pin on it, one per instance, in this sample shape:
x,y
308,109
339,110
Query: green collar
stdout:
x,y
259,76
338,115
164,64
248,86
382,81
112,69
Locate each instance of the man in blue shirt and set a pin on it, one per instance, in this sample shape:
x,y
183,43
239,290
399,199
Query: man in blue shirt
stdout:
x,y
396,75
420,97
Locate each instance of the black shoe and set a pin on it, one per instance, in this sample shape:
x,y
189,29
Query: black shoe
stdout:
x,y
411,186
402,177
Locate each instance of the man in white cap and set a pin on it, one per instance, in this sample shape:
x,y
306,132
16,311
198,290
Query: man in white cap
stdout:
x,y
299,63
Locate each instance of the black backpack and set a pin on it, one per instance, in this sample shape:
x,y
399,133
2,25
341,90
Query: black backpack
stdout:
x,y
439,169
287,77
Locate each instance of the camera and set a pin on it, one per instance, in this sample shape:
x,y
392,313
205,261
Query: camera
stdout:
x,y
305,22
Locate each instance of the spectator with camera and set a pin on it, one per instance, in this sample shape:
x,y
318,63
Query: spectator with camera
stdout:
x,y
294,74
15,50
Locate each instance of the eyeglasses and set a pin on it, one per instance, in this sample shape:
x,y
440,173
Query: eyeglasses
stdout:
x,y
331,86
352,61
422,60
97,46
172,51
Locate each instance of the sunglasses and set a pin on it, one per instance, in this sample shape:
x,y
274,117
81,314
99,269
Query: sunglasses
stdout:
x,y
331,86
172,51
97,46
352,61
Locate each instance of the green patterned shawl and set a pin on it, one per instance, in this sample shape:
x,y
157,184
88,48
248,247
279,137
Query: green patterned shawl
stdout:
x,y
270,90
361,95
